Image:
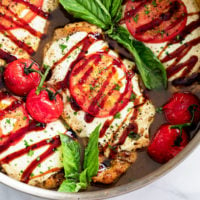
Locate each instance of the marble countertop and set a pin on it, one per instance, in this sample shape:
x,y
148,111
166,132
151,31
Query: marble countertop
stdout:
x,y
182,183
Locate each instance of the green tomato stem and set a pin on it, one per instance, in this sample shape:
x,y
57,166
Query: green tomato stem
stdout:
x,y
52,95
180,127
34,70
43,77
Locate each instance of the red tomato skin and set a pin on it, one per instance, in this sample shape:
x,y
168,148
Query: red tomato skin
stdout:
x,y
41,108
17,81
176,110
85,98
152,37
162,147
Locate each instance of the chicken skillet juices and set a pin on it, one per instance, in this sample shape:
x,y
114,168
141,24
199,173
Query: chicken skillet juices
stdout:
x,y
101,85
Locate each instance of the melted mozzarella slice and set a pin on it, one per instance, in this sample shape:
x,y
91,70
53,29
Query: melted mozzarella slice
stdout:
x,y
27,148
59,56
7,125
60,48
51,165
22,27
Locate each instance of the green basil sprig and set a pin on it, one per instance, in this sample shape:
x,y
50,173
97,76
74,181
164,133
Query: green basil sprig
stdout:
x,y
105,14
114,8
75,179
91,157
151,69
71,156
92,11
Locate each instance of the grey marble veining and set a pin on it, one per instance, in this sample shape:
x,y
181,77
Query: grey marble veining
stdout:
x,y
183,183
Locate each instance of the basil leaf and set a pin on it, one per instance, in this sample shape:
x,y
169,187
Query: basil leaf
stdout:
x,y
118,15
158,75
75,180
71,162
69,185
91,158
114,8
71,157
83,178
107,4
92,11
151,69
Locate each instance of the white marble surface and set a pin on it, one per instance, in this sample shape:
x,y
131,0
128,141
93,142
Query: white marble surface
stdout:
x,y
183,183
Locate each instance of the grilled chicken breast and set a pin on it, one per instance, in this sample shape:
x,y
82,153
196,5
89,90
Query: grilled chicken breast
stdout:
x,y
180,55
29,151
22,26
99,88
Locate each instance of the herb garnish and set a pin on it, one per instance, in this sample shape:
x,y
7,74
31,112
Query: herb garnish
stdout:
x,y
117,116
134,135
75,179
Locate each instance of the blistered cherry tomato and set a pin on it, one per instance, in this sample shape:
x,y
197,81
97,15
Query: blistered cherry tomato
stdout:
x,y
45,107
178,109
167,143
18,77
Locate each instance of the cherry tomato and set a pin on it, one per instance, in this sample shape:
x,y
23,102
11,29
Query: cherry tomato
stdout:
x,y
17,81
45,107
167,143
155,21
177,109
100,85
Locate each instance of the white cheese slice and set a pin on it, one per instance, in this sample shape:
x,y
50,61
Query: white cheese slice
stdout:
x,y
7,125
38,23
16,167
